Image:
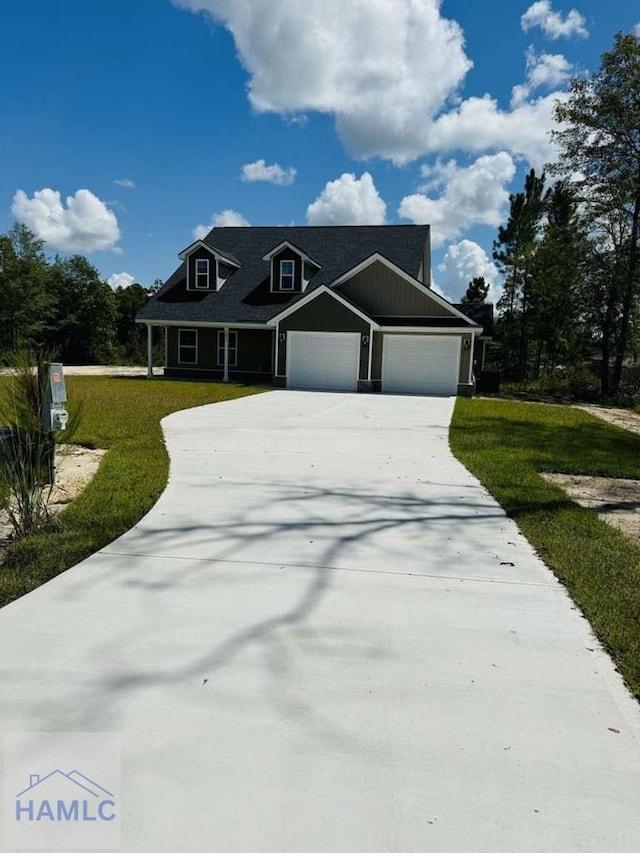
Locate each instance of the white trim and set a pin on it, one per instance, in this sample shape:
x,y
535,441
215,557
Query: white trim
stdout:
x,y
274,321
370,354
189,346
196,324
433,330
227,343
287,245
225,359
149,352
427,291
291,275
200,244
276,352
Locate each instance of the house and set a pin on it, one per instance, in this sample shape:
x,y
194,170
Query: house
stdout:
x,y
341,308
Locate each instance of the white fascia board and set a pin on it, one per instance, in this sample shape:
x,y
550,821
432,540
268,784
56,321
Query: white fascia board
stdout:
x,y
313,295
434,330
427,291
202,324
287,245
200,244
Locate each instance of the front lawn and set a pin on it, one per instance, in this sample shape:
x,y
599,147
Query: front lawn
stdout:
x,y
122,416
506,444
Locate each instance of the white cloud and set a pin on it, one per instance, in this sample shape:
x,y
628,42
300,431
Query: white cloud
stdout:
x,y
120,279
546,70
225,219
348,201
381,67
636,30
388,71
540,14
127,183
471,195
85,225
274,174
464,261
480,125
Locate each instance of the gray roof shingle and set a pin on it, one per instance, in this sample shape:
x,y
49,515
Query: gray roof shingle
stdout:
x,y
246,298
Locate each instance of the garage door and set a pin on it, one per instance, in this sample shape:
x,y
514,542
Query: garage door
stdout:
x,y
323,361
415,364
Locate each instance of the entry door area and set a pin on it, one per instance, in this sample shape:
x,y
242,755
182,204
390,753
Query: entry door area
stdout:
x,y
420,364
323,361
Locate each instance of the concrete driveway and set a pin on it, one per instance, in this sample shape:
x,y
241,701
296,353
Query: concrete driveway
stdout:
x,y
326,636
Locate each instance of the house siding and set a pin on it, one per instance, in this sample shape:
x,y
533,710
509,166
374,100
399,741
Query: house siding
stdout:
x,y
324,314
255,352
378,291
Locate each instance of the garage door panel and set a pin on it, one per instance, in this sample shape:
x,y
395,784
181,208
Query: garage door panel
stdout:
x,y
323,361
416,364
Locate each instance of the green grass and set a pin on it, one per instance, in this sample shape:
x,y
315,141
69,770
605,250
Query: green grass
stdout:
x,y
123,417
506,445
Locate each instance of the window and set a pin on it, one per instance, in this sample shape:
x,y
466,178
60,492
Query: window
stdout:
x,y
233,349
187,346
287,269
202,274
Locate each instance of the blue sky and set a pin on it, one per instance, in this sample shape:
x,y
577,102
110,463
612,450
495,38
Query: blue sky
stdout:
x,y
128,125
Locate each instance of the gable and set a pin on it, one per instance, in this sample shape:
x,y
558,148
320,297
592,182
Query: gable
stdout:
x,y
381,292
325,313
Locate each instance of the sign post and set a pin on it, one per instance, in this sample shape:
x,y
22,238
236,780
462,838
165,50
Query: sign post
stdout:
x,y
54,414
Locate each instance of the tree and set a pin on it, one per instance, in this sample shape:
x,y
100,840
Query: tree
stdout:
x,y
557,302
599,147
25,298
132,337
477,291
83,327
513,252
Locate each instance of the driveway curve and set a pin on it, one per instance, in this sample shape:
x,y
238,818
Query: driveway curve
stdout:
x,y
327,636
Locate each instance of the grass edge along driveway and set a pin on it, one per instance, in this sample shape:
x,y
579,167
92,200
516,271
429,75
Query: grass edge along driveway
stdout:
x,y
505,445
123,417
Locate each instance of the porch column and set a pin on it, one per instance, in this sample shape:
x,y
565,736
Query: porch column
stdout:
x,y
225,377
149,351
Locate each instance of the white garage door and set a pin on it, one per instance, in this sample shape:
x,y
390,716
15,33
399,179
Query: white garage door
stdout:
x,y
323,361
417,364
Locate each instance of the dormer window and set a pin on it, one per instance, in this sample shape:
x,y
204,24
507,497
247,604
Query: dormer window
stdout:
x,y
207,268
287,275
291,268
202,274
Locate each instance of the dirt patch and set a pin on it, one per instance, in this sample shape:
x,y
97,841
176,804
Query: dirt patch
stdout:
x,y
616,501
76,467
94,370
624,418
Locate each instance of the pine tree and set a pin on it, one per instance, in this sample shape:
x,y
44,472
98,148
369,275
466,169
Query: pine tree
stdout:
x,y
599,146
476,292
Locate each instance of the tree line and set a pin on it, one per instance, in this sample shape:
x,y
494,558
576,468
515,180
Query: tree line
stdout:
x,y
569,253
64,308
